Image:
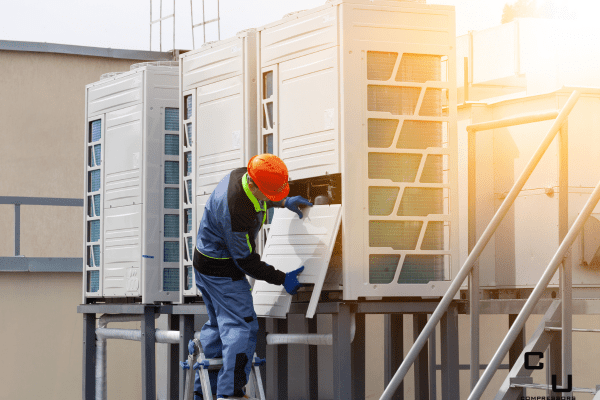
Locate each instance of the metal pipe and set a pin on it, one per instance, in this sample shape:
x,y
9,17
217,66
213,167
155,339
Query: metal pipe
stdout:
x,y
162,336
100,369
192,20
309,338
472,239
17,229
173,26
160,28
536,294
518,120
150,25
565,283
477,250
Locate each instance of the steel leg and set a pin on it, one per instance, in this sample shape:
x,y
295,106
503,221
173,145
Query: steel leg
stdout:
x,y
313,363
89,357
449,347
517,348
342,364
173,361
393,347
421,363
358,359
148,355
277,364
186,333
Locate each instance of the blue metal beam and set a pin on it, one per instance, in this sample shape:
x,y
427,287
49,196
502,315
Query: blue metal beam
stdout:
x,y
41,264
37,47
41,201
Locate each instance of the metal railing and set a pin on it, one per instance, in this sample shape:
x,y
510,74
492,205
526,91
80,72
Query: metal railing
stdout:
x,y
476,252
37,264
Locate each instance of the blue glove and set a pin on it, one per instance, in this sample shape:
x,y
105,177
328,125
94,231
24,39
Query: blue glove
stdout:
x,y
291,283
191,346
292,203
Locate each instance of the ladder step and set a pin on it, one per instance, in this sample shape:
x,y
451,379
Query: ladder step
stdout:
x,y
548,387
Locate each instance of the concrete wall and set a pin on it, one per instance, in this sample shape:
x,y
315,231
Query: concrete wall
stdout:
x,y
41,141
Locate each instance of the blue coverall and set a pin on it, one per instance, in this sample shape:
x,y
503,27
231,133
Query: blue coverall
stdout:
x,y
225,253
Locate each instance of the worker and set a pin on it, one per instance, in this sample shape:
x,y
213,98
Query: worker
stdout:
x,y
225,253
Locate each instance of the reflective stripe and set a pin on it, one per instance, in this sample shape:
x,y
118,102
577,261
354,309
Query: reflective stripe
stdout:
x,y
253,199
214,258
249,193
248,241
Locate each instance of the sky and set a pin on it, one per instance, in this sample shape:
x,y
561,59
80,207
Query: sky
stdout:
x,y
125,24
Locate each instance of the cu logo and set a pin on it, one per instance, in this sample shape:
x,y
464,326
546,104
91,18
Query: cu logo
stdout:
x,y
540,365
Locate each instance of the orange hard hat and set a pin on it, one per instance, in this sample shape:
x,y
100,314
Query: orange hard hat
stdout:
x,y
270,174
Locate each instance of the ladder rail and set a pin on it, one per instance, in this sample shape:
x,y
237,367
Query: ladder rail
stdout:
x,y
557,259
476,252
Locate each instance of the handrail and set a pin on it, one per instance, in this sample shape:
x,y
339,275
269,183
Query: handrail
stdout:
x,y
536,294
34,201
477,250
473,285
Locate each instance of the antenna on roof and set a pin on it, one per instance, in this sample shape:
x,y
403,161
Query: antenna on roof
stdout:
x,y
205,22
159,21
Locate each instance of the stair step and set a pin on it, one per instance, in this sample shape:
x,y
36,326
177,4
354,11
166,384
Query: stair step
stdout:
x,y
548,387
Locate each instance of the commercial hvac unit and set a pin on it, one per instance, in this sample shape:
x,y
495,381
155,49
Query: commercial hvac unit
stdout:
x,y
132,179
218,99
359,99
527,239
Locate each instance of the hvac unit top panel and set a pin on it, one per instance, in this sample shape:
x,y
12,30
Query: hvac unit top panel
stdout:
x,y
214,62
122,91
401,22
293,243
296,37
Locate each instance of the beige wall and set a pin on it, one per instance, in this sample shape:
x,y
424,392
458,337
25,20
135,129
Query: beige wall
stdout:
x,y
42,112
41,341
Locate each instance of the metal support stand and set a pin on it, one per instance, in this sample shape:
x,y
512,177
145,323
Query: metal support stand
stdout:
x,y
342,371
554,364
393,347
173,361
89,357
313,362
148,355
358,359
186,333
517,348
277,365
432,367
421,364
449,347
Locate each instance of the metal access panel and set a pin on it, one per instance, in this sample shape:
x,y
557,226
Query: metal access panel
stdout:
x,y
367,88
132,183
293,242
218,94
528,237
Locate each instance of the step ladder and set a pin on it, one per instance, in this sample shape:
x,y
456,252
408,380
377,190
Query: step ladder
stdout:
x,y
197,361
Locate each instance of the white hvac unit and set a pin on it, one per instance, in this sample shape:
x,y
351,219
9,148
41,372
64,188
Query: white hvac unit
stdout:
x,y
132,179
525,242
359,100
219,101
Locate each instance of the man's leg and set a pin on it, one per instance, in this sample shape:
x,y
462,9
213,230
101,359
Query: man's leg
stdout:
x,y
238,327
210,340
